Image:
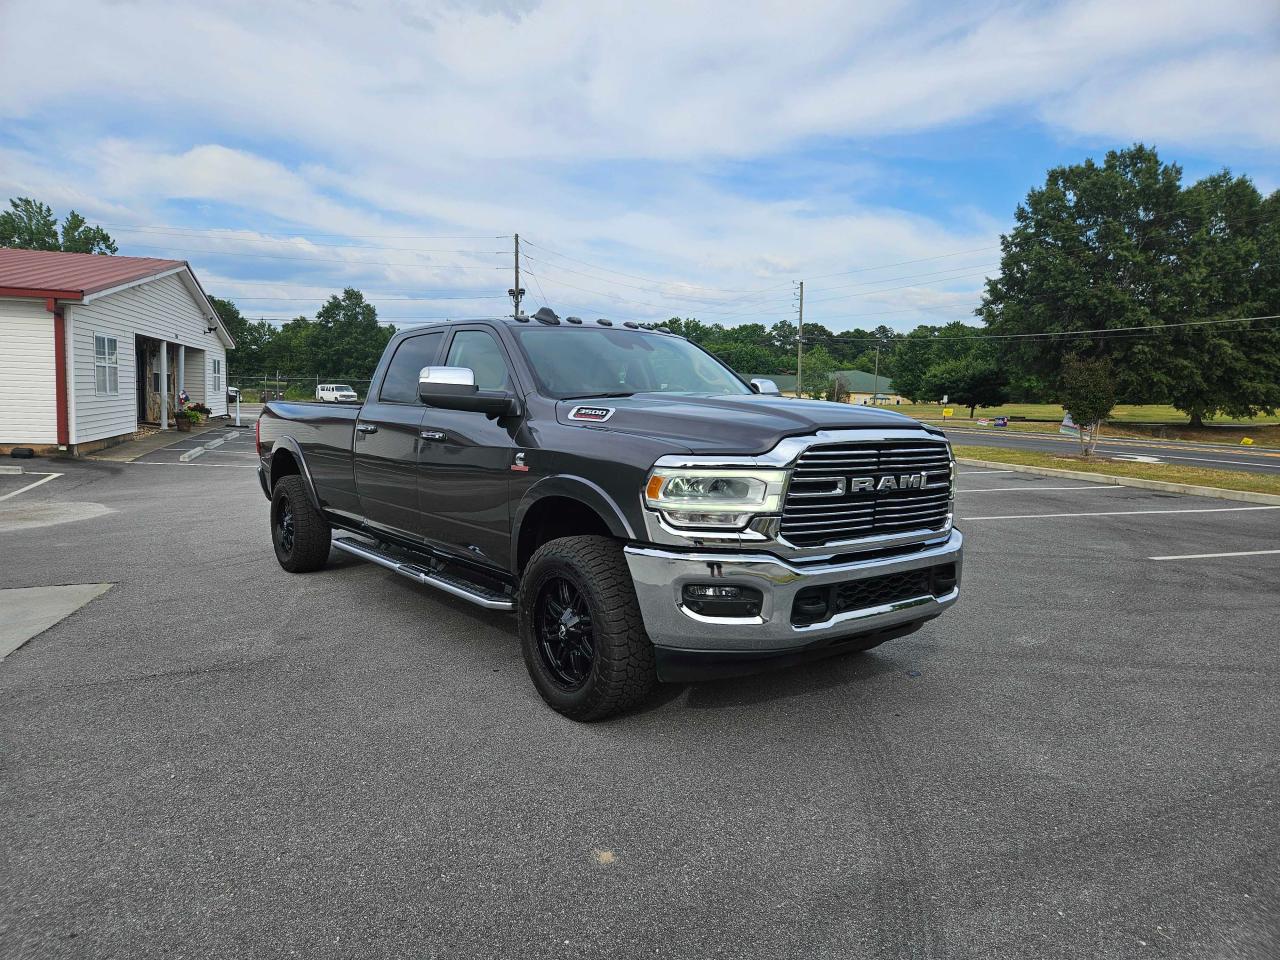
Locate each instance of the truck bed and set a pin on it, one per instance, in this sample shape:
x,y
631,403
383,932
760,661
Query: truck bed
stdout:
x,y
325,432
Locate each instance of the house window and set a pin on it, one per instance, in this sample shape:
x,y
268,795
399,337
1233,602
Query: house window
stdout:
x,y
217,375
106,366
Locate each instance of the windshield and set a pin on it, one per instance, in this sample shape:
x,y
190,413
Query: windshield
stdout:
x,y
595,361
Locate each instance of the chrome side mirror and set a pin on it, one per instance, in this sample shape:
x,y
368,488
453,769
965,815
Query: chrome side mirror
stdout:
x,y
765,387
454,388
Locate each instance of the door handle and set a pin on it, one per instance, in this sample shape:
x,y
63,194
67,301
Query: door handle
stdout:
x,y
367,427
432,435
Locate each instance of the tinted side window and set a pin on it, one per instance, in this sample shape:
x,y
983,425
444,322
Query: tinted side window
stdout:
x,y
401,382
478,350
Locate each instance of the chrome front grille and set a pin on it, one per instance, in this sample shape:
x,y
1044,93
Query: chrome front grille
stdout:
x,y
838,491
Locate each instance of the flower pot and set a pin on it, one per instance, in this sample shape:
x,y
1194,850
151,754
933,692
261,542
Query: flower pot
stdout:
x,y
183,424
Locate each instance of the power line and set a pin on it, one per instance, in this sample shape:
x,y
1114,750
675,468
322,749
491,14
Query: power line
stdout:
x,y
912,276
375,297
341,246
634,276
160,228
903,263
1105,331
619,283
350,263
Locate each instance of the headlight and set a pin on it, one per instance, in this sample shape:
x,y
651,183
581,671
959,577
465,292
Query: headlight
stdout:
x,y
714,498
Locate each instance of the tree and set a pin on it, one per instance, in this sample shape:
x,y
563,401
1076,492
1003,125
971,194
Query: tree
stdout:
x,y
1230,270
925,347
971,382
31,225
1088,393
1122,245
747,359
231,318
347,339
77,237
818,366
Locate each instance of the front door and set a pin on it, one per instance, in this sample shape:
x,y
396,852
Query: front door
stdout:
x,y
467,457
388,438
142,371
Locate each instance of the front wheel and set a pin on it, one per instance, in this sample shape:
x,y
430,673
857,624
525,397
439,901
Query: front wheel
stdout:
x,y
299,532
580,629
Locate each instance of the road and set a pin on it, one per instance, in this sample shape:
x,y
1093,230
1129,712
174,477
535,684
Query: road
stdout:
x,y
216,758
1209,456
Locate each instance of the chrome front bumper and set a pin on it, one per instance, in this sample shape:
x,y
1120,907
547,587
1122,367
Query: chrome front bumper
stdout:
x,y
660,575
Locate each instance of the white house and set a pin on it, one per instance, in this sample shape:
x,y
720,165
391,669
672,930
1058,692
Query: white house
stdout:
x,y
87,341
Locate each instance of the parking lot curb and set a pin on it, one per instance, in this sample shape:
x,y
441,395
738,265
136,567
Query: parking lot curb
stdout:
x,y
1188,489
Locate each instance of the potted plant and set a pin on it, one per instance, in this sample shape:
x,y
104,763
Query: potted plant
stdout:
x,y
186,419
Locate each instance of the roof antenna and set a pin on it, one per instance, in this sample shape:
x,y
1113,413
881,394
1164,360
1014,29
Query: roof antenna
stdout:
x,y
548,316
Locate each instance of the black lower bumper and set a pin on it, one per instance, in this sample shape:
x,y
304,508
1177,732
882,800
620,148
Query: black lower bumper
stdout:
x,y
262,479
690,666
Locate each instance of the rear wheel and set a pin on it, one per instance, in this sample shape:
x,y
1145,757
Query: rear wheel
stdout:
x,y
580,629
299,532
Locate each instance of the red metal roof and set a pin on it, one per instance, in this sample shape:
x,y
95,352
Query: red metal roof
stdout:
x,y
71,276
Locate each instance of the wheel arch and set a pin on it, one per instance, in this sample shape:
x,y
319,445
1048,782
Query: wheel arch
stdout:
x,y
286,459
563,505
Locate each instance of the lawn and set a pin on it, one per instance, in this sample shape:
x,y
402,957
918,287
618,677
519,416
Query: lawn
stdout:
x,y
1128,420
1225,479
1125,413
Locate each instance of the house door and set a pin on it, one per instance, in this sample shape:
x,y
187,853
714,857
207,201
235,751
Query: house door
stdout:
x,y
142,375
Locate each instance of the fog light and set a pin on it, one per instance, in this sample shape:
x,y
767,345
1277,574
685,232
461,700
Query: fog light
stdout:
x,y
710,591
722,600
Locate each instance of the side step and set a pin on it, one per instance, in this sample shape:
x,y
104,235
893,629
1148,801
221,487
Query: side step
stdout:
x,y
480,596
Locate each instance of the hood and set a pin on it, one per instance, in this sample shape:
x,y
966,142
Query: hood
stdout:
x,y
746,425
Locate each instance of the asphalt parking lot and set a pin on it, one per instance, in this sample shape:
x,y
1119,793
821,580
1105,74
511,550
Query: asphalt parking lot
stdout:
x,y
216,758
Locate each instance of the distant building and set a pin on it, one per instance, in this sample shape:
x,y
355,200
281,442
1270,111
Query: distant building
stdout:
x,y
862,386
92,346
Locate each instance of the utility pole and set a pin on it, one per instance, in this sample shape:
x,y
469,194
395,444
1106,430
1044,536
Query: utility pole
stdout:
x,y
800,341
875,390
516,293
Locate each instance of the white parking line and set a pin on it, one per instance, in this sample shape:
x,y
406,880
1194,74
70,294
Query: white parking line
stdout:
x,y
31,486
1209,556
1034,489
1117,513
171,463
981,473
1251,461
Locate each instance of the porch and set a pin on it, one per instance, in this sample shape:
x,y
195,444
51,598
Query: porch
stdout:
x,y
163,362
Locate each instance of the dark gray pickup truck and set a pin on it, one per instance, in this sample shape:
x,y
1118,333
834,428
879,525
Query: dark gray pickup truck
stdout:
x,y
646,513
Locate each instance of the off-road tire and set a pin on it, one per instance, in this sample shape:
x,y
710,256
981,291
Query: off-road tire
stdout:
x,y
311,531
622,671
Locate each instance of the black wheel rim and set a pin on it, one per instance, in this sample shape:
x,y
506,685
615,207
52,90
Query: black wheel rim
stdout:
x,y
284,527
566,639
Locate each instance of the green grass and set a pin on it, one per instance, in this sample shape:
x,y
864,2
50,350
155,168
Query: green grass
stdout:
x,y
1224,479
1125,413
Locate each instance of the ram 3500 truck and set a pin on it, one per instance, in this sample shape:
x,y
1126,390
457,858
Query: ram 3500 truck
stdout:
x,y
646,513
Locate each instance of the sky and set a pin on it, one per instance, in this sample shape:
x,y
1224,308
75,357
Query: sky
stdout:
x,y
657,159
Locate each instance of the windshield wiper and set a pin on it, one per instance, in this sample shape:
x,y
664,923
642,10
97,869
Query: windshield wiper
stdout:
x,y
599,396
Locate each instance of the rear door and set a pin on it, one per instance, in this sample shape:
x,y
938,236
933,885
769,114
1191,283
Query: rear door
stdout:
x,y
467,458
388,439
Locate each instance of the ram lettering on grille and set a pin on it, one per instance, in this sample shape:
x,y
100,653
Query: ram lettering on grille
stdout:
x,y
847,491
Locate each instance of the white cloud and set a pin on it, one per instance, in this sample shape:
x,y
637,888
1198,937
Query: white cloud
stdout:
x,y
365,119
1203,99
